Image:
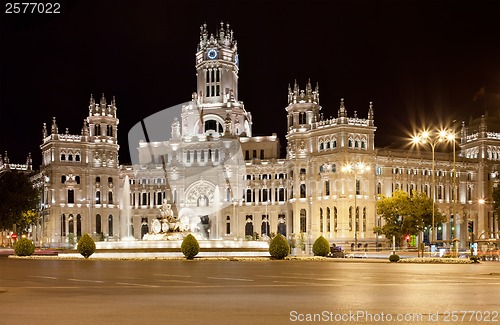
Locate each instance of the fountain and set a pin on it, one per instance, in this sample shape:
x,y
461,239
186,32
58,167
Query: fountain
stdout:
x,y
170,227
125,225
216,211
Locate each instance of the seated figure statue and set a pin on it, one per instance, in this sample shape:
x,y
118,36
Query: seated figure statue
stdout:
x,y
167,213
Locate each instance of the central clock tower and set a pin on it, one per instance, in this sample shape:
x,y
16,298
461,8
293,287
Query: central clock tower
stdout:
x,y
214,109
217,66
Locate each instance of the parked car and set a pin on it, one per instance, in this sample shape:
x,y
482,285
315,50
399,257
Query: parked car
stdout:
x,y
336,252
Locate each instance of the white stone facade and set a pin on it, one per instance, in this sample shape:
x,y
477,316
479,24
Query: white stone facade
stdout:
x,y
257,191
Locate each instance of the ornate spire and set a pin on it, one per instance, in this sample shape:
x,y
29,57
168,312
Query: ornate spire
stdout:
x,y
29,161
85,130
44,131
227,125
6,159
91,105
176,129
53,128
342,110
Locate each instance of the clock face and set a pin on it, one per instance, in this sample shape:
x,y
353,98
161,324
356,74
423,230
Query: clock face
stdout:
x,y
212,54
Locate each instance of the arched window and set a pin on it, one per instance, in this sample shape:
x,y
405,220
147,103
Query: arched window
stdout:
x,y
302,191
110,197
302,118
202,201
71,196
71,225
98,227
321,225
110,226
78,226
350,218
228,225
249,226
63,225
98,197
264,229
335,220
328,220
214,126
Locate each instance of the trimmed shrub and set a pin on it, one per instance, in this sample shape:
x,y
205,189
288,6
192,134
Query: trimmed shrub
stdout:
x,y
475,259
394,258
86,246
279,248
321,247
190,247
24,247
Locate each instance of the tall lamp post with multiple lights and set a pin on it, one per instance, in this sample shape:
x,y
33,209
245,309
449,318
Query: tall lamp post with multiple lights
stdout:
x,y
357,169
433,139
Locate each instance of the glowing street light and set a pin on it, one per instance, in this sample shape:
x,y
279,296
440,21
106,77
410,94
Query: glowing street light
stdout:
x,y
357,169
433,139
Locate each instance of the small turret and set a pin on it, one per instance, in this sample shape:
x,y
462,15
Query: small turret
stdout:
x,y
342,110
85,129
371,121
6,160
103,105
53,128
44,131
176,130
29,162
92,107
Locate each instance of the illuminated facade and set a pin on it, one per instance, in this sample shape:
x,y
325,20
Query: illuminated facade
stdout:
x,y
327,184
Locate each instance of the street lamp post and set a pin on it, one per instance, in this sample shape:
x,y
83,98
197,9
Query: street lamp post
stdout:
x,y
356,169
425,137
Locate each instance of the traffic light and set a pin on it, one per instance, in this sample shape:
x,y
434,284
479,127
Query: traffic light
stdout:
x,y
407,238
470,226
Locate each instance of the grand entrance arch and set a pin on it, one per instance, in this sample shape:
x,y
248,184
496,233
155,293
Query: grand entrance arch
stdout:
x,y
201,206
200,194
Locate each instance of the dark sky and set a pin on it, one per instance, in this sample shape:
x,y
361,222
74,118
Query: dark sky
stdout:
x,y
420,62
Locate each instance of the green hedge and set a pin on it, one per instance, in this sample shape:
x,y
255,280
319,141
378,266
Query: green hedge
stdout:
x,y
279,248
394,258
190,247
86,246
24,247
321,247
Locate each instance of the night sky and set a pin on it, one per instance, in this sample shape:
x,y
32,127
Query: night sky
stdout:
x,y
420,62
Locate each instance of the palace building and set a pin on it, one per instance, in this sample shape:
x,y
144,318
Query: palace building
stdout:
x,y
209,165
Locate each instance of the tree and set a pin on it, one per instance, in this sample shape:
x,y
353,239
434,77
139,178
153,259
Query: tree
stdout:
x,y
279,248
18,200
190,247
86,246
321,247
406,215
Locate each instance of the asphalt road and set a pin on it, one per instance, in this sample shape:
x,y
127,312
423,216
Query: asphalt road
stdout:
x,y
246,292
